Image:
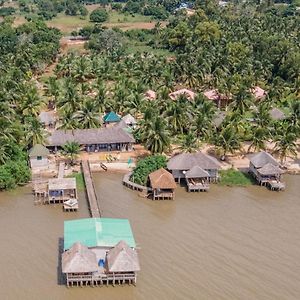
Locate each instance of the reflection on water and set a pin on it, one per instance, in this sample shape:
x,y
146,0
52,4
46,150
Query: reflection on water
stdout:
x,y
229,243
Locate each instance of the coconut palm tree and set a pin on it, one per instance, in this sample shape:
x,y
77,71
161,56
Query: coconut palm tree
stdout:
x,y
34,132
88,115
71,150
188,142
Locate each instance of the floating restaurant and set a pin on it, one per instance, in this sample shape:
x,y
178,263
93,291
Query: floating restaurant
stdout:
x,y
99,251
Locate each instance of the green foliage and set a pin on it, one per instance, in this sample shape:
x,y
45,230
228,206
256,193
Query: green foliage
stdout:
x,y
71,150
234,177
79,180
146,166
99,15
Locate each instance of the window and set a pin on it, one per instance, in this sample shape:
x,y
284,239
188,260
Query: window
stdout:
x,y
39,158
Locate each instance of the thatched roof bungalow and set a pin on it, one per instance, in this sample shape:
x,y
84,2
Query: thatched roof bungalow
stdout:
x,y
214,95
163,184
265,169
38,157
129,120
258,93
61,189
183,162
150,95
48,119
190,95
197,179
94,140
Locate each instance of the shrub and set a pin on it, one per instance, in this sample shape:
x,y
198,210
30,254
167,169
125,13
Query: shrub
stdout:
x,y
99,15
7,180
146,166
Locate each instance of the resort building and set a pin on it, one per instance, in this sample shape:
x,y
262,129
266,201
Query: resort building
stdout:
x,y
38,157
190,95
221,100
265,169
150,95
99,251
61,189
181,163
48,119
111,118
163,185
93,140
258,93
129,120
197,179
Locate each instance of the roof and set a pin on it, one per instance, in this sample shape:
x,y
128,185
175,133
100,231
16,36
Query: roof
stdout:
x,y
129,119
38,150
62,184
151,95
196,172
122,258
214,95
47,117
90,136
269,169
262,158
79,259
162,179
186,161
111,117
219,118
276,114
188,93
97,232
258,92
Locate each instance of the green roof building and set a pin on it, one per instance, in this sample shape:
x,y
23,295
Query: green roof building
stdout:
x,y
111,117
97,232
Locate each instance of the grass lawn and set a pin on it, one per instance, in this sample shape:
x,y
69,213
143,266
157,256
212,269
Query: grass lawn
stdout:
x,y
79,181
234,177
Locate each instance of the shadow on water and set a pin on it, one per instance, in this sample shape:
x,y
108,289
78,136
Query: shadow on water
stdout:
x,y
60,276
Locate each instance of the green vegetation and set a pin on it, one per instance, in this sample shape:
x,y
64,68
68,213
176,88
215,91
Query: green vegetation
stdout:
x,y
79,181
146,166
71,151
99,15
233,177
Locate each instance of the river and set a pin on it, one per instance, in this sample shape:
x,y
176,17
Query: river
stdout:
x,y
229,243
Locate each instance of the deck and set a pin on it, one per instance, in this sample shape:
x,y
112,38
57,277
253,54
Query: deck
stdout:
x,y
134,186
276,185
61,170
90,190
198,187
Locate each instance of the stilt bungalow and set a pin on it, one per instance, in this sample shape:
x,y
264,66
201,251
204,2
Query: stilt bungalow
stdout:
x,y
197,179
181,163
99,251
111,118
93,140
38,157
163,185
61,189
265,169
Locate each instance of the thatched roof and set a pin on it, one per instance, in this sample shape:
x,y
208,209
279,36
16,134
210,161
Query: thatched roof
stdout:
x,y
90,136
151,95
277,114
55,184
129,119
269,169
38,150
162,179
111,117
196,172
47,117
186,161
219,118
215,95
79,259
262,158
122,258
185,92
258,92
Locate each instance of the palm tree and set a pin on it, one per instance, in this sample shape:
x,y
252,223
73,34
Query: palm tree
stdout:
x,y
189,143
258,138
88,115
71,150
31,103
34,132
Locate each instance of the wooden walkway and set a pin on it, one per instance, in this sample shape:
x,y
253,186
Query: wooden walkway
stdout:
x,y
90,190
134,186
61,170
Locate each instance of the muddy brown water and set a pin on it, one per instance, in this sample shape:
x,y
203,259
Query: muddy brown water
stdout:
x,y
229,243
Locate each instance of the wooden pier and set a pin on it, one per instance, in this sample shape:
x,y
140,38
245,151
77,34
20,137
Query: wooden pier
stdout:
x,y
136,187
61,170
90,190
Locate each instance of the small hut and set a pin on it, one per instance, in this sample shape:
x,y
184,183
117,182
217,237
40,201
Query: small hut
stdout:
x,y
197,179
183,162
258,93
221,100
190,95
38,157
265,169
111,118
48,119
163,184
276,114
129,120
61,189
150,95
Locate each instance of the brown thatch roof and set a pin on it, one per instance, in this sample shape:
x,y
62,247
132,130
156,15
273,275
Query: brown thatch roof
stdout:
x,y
79,259
269,169
162,179
47,117
277,114
38,150
90,136
262,158
122,258
62,184
185,92
186,161
196,172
